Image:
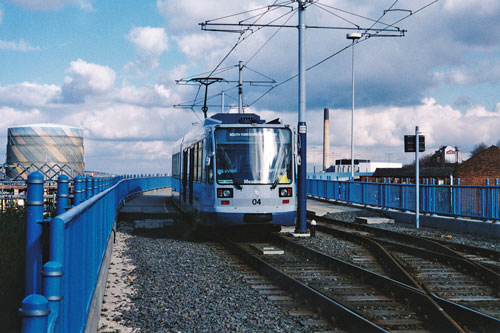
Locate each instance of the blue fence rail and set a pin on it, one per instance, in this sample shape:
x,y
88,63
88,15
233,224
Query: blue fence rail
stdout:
x,y
59,293
481,202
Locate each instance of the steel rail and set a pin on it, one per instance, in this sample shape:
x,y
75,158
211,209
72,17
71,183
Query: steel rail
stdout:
x,y
489,274
486,254
328,307
418,300
464,315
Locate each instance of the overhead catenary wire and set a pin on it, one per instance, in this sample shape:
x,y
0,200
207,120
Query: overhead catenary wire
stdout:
x,y
343,49
319,4
251,10
248,28
241,38
292,14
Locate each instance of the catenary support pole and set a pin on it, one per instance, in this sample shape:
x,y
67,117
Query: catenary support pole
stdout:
x,y
240,87
222,102
302,126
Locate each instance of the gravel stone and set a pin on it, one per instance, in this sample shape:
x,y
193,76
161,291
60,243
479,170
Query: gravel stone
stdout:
x,y
341,248
471,239
162,283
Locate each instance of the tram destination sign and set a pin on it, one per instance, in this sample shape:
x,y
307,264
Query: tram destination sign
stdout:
x,y
410,145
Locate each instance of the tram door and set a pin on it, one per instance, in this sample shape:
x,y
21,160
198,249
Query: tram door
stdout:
x,y
191,174
184,173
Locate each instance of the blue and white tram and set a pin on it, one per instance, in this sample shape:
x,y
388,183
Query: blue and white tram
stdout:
x,y
236,169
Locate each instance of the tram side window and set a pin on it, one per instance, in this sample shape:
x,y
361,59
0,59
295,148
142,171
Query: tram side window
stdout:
x,y
200,160
209,168
195,162
203,157
176,172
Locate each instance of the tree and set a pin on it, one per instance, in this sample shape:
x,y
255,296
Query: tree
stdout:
x,y
478,148
425,160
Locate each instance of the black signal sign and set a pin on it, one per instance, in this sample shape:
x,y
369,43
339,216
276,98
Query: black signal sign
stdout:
x,y
410,143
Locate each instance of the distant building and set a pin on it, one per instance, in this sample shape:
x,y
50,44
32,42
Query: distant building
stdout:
x,y
360,166
440,175
342,169
485,165
446,155
474,171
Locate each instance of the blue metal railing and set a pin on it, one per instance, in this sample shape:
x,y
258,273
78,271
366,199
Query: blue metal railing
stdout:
x,y
59,293
482,202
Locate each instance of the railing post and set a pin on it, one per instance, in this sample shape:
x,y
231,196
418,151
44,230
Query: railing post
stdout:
x,y
52,289
94,186
88,187
484,200
34,215
35,312
79,196
402,195
433,197
388,202
458,203
384,194
453,199
363,194
423,200
496,201
62,194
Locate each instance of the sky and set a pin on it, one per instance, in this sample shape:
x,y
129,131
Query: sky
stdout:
x,y
110,67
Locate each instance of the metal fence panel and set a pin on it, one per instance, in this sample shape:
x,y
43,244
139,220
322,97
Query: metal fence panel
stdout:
x,y
481,202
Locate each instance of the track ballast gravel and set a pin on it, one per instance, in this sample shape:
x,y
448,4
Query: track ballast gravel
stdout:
x,y
162,283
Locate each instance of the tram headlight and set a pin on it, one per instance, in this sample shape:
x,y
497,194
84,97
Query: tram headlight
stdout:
x,y
285,192
224,193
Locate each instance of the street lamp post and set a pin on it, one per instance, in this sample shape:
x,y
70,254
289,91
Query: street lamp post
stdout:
x,y
352,36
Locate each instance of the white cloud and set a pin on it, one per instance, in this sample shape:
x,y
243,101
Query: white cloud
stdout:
x,y
188,13
474,73
86,79
20,45
155,95
149,44
482,7
203,46
47,5
13,117
28,94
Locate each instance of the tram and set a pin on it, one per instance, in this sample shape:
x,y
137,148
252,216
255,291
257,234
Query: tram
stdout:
x,y
236,169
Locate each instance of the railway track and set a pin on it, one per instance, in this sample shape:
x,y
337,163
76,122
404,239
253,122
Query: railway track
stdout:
x,y
273,292
444,273
353,298
487,257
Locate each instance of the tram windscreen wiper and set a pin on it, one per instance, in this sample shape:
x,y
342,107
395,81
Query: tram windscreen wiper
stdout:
x,y
275,183
226,170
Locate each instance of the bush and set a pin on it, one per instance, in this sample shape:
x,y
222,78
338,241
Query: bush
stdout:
x,y
12,249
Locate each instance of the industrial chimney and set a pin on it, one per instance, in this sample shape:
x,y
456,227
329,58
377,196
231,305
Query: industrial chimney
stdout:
x,y
326,139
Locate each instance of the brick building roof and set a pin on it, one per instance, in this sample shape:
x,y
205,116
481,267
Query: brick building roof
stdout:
x,y
478,168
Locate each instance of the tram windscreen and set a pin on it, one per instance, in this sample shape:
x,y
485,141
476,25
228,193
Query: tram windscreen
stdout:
x,y
253,156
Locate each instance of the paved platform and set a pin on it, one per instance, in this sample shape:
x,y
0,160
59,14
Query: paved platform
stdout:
x,y
321,208
153,205
344,212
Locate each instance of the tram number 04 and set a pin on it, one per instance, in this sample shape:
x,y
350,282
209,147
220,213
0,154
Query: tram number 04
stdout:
x,y
256,202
